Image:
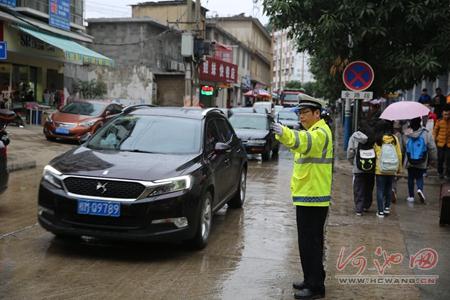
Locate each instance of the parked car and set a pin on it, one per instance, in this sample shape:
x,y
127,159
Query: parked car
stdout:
x,y
259,107
278,108
150,174
254,131
288,118
6,116
78,120
242,109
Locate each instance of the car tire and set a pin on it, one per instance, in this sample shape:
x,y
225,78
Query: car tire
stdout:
x,y
200,240
265,155
238,199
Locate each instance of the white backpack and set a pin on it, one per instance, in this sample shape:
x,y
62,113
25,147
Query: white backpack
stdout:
x,y
388,159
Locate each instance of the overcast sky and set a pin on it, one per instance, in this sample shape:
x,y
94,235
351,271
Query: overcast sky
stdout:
x,y
223,8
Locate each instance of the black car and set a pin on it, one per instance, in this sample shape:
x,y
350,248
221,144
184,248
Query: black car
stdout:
x,y
254,131
149,174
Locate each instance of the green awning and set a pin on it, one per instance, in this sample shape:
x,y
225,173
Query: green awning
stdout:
x,y
73,51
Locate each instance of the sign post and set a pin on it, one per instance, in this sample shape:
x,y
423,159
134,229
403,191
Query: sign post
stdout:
x,y
357,77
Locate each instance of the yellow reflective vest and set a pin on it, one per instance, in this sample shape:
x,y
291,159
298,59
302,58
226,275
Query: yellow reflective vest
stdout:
x,y
313,158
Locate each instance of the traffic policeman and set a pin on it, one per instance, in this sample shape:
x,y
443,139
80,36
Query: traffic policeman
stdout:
x,y
311,192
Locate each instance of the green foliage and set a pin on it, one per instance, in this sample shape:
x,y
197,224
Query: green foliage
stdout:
x,y
90,89
293,84
405,41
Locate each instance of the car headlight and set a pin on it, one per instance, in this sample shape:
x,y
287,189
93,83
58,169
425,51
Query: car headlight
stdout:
x,y
171,185
256,142
51,175
87,123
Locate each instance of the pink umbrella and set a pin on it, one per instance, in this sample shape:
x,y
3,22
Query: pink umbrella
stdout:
x,y
404,110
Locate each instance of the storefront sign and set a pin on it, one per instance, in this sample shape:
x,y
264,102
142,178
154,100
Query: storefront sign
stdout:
x,y
59,14
8,2
3,50
215,70
28,41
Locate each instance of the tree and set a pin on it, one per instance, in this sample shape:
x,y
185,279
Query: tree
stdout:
x,y
90,89
405,41
293,84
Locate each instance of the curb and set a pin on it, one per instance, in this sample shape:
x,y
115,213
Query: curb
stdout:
x,y
12,167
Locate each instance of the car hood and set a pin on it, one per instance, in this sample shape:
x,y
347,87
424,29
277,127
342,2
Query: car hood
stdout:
x,y
83,161
70,118
251,134
288,122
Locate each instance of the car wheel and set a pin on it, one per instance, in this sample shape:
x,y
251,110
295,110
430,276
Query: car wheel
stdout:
x,y
238,200
200,239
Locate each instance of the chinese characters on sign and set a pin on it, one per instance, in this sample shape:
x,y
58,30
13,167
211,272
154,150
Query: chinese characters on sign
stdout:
x,y
215,70
59,14
11,3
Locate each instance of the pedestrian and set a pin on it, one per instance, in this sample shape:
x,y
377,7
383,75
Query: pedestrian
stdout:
x,y
439,101
424,97
311,192
398,132
389,158
420,150
441,135
361,155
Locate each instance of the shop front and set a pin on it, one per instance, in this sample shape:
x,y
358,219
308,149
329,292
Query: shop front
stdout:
x,y
217,79
32,74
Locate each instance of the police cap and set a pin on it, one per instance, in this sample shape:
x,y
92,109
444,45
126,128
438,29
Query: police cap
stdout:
x,y
307,104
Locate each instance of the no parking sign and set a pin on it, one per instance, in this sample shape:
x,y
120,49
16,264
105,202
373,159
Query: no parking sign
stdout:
x,y
358,76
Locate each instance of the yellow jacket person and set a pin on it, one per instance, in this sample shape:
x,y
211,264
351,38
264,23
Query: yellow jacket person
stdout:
x,y
311,191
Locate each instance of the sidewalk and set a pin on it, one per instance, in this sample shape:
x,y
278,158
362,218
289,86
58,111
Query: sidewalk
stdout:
x,y
29,148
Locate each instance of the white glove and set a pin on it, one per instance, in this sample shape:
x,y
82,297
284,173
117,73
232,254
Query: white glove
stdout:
x,y
277,128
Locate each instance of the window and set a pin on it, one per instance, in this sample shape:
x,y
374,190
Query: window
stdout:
x,y
225,131
212,136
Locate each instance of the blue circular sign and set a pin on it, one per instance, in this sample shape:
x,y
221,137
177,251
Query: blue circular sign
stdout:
x,y
358,76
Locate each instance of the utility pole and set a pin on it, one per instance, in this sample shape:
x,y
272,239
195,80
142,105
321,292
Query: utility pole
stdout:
x,y
188,72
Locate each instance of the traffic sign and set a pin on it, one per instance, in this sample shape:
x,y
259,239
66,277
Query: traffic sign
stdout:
x,y
358,76
3,50
356,95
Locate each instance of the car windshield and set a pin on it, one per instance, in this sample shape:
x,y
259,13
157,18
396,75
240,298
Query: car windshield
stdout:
x,y
290,97
287,115
249,122
149,134
84,108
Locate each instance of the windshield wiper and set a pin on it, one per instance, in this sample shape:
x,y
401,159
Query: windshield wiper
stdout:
x,y
138,151
247,128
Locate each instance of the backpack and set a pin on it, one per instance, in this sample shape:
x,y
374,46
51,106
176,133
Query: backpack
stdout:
x,y
365,157
416,150
389,158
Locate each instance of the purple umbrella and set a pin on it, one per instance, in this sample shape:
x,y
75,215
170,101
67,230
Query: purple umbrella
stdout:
x,y
404,110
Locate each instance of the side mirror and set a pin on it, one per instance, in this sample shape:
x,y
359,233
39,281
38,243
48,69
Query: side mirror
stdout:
x,y
222,148
107,113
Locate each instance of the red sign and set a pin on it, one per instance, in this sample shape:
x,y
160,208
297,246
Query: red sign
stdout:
x,y
358,76
215,70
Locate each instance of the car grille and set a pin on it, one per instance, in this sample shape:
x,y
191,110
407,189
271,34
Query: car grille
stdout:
x,y
65,125
112,188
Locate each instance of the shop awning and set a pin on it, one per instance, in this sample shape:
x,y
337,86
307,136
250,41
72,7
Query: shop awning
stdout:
x,y
74,52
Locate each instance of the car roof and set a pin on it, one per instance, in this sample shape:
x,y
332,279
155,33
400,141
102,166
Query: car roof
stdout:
x,y
250,114
180,112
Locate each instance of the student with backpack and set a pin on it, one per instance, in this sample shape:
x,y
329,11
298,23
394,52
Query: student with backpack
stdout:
x,y
361,155
420,148
388,164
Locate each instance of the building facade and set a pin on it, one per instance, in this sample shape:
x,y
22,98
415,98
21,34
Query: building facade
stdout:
x,y
240,55
288,63
39,39
173,14
250,32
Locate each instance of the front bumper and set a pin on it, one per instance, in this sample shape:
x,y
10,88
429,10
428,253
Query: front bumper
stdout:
x,y
57,213
253,148
74,134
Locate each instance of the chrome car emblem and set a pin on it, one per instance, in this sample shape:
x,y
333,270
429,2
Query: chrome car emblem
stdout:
x,y
102,187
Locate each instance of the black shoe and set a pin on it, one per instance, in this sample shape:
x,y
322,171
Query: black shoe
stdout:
x,y
299,285
309,294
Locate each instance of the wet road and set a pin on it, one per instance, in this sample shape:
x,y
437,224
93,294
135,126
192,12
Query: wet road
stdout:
x,y
252,253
